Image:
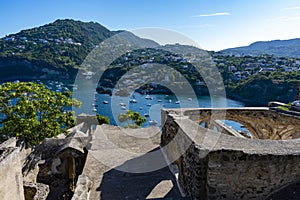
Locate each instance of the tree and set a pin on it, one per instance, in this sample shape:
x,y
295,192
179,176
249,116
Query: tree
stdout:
x,y
134,117
32,112
102,119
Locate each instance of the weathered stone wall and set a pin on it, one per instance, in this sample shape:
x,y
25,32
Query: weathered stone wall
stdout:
x,y
181,150
35,191
217,166
83,187
237,175
11,186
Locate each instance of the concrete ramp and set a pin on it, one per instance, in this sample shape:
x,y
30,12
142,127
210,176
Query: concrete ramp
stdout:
x,y
126,164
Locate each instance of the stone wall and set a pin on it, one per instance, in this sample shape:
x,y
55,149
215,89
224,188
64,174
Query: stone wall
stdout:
x,y
83,187
11,186
248,176
218,166
35,191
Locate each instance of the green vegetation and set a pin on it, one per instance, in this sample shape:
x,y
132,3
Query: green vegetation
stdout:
x,y
76,103
30,111
102,119
61,44
261,88
133,119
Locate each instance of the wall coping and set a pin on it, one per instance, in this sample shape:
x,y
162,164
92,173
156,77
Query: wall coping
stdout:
x,y
215,141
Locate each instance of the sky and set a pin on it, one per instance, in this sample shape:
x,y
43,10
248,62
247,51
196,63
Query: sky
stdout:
x,y
212,24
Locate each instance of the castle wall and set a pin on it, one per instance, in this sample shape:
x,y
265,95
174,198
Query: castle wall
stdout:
x,y
217,166
11,186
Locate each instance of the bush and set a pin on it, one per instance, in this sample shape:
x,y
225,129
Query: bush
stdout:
x,y
102,119
133,119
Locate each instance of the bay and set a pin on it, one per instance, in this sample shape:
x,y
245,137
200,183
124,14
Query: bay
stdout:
x,y
149,106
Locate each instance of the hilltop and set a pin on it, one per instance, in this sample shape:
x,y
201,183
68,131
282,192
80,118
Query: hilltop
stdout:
x,y
52,50
278,48
61,43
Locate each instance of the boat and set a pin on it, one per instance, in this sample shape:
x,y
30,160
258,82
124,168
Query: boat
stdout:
x,y
123,108
159,100
122,104
94,105
153,122
190,99
149,105
133,101
148,97
177,102
146,115
105,102
170,101
94,110
141,108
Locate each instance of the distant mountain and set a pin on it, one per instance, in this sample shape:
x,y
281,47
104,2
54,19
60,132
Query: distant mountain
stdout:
x,y
133,39
53,49
278,48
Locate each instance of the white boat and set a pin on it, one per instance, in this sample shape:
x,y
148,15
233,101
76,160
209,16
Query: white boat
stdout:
x,y
94,110
153,122
133,101
105,102
190,99
149,105
146,115
122,104
94,105
141,108
148,97
177,102
158,100
170,101
123,108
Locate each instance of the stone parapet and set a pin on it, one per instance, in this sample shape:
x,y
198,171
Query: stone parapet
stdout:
x,y
213,165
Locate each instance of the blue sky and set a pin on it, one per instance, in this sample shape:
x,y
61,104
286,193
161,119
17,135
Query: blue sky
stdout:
x,y
213,24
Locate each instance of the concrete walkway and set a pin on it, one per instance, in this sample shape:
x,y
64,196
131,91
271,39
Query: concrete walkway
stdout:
x,y
128,164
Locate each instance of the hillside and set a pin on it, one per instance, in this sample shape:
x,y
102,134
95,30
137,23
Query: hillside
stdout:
x,y
53,50
259,90
61,43
278,48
